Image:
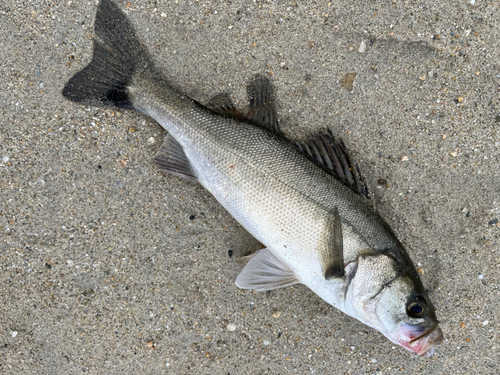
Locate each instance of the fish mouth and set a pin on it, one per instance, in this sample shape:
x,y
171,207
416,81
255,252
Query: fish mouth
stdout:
x,y
424,344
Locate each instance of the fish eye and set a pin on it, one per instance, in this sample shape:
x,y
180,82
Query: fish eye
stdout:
x,y
416,306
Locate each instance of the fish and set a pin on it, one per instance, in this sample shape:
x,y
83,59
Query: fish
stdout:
x,y
305,201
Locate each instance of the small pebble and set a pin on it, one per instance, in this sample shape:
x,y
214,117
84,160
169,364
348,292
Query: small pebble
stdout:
x,y
14,333
480,277
382,181
231,327
151,140
348,81
493,222
460,99
266,342
404,158
362,47
485,323
230,253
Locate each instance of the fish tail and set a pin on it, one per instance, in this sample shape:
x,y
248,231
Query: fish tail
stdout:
x,y
118,56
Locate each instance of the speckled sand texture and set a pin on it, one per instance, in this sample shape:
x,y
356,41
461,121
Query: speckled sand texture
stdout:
x,y
109,267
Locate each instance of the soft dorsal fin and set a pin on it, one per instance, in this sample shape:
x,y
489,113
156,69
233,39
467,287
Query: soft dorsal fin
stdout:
x,y
222,104
262,111
172,159
322,148
332,154
265,272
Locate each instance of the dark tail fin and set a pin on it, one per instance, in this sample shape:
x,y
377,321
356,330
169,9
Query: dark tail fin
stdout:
x,y
118,55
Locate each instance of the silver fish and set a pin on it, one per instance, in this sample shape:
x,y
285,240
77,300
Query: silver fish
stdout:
x,y
296,199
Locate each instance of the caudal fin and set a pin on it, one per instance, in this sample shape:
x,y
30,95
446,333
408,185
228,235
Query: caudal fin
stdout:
x,y
118,56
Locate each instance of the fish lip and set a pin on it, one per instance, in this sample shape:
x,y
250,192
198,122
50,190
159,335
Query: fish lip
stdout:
x,y
428,332
424,345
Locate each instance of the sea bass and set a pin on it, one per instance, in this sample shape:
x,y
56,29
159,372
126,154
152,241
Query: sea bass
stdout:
x,y
303,201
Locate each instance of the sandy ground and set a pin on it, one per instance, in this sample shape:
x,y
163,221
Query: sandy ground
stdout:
x,y
110,267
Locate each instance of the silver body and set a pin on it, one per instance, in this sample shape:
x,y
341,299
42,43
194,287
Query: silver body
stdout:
x,y
281,197
284,199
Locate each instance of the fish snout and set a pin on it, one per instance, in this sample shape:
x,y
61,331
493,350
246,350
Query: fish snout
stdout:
x,y
422,344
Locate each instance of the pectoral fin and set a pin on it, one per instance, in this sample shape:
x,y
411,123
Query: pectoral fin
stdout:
x,y
265,272
333,254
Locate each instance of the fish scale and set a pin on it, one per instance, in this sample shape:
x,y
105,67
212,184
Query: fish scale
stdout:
x,y
282,198
269,166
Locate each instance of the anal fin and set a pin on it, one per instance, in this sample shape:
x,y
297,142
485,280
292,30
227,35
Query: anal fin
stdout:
x,y
265,272
172,159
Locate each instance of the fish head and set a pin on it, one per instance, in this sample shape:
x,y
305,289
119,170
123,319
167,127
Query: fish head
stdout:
x,y
382,295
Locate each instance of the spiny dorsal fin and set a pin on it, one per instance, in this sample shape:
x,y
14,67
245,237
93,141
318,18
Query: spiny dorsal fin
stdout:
x,y
332,154
172,159
262,111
